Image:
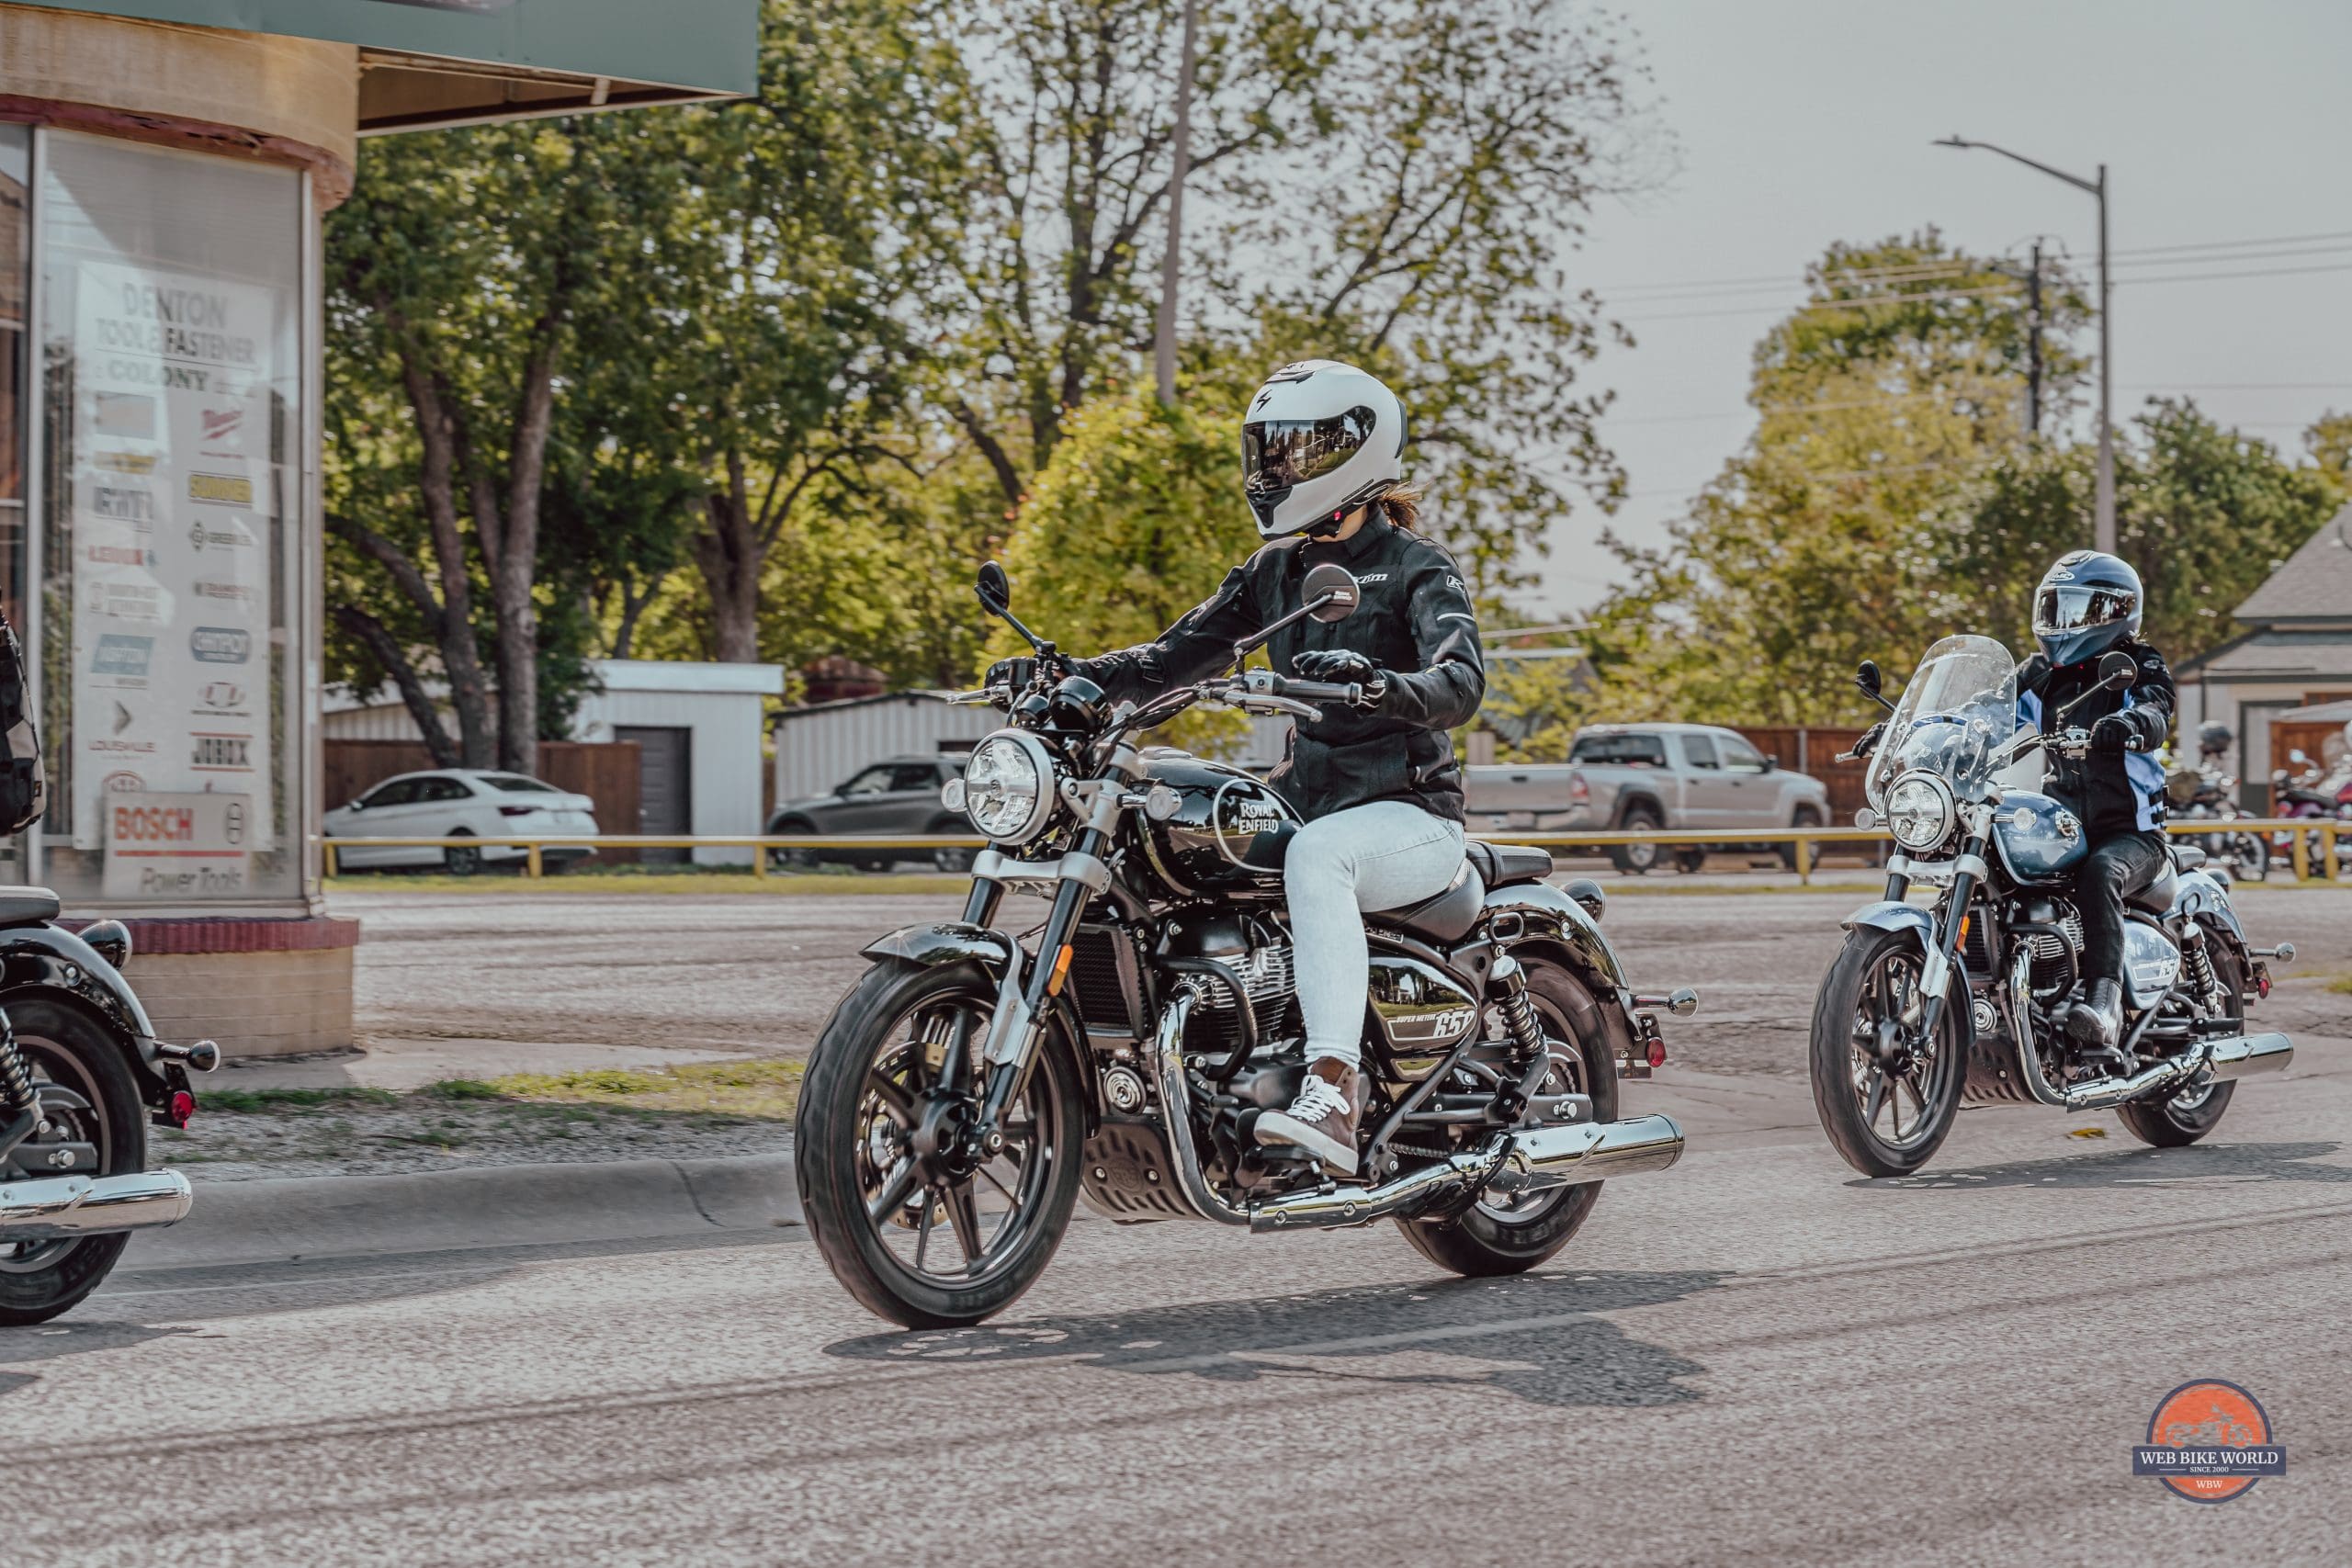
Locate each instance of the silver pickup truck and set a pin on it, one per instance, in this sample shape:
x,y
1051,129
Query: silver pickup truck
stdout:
x,y
1632,776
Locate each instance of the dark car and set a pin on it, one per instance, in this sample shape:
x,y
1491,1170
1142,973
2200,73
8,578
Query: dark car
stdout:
x,y
899,796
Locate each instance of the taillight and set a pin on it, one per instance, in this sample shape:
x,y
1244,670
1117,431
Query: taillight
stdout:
x,y
1657,1053
1577,788
516,810
182,1107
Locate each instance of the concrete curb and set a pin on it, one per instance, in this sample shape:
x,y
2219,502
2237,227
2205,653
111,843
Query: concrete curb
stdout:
x,y
510,1205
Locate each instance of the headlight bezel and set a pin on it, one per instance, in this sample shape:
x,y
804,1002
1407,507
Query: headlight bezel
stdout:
x,y
978,794
1940,809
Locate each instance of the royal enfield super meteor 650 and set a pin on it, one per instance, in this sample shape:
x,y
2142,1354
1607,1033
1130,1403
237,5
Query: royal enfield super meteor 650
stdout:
x,y
971,1085
1962,998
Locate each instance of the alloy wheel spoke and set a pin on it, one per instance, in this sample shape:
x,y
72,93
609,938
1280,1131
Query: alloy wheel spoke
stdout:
x,y
963,1217
895,1188
897,1103
923,1229
1874,1102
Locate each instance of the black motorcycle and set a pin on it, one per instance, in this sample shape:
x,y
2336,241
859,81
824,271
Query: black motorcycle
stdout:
x,y
974,1083
81,1075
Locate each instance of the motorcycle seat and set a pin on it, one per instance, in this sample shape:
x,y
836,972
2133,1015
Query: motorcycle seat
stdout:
x,y
2158,894
27,906
1500,865
2187,857
1447,917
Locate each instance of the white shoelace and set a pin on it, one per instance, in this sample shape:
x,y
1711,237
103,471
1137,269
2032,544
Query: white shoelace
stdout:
x,y
1320,1098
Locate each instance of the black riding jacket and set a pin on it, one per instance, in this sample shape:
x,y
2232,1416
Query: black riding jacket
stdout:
x,y
1414,621
2111,794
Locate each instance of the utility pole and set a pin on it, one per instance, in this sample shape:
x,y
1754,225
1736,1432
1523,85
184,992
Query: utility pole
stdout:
x,y
2034,347
1180,158
2104,528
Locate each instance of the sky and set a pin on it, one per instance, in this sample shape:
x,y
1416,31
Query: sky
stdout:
x,y
1804,121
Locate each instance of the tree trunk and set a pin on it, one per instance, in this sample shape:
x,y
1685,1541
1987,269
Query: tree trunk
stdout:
x,y
730,554
454,614
370,634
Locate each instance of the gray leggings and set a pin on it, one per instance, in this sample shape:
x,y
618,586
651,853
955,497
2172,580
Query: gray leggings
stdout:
x,y
1381,856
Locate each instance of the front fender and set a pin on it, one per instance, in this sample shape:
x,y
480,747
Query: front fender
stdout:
x,y
49,958
1894,915
946,941
1541,910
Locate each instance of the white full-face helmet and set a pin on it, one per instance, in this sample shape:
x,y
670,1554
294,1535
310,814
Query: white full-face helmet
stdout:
x,y
1318,440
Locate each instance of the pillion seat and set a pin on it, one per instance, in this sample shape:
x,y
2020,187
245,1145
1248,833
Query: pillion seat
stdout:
x,y
27,906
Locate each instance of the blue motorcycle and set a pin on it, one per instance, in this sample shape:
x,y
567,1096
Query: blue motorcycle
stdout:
x,y
1958,998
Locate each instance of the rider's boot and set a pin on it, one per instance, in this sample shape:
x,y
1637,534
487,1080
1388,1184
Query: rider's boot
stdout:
x,y
2097,1021
1322,1119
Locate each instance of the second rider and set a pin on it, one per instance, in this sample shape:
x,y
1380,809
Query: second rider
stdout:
x,y
1322,464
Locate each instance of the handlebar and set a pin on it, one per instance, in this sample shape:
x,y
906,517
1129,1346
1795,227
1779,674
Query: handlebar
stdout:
x,y
980,697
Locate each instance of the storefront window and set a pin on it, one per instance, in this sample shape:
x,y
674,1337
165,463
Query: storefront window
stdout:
x,y
171,364
16,294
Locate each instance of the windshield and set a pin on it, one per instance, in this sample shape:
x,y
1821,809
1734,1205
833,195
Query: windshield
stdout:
x,y
1960,704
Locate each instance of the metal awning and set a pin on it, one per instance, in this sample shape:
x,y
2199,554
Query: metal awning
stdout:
x,y
434,62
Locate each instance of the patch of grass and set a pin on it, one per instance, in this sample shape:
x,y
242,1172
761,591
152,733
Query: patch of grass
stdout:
x,y
661,880
2342,983
756,1089
257,1102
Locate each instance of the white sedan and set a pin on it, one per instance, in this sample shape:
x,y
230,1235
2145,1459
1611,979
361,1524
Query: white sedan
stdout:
x,y
458,803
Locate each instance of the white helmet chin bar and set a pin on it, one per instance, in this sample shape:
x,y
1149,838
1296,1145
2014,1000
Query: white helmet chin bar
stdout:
x,y
1320,439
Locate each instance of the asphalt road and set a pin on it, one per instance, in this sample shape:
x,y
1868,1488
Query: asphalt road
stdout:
x,y
1754,1357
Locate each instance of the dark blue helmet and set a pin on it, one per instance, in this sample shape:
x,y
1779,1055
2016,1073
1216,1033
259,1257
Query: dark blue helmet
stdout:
x,y
2086,603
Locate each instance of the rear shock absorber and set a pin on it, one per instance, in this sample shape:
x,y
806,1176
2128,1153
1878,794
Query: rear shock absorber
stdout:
x,y
1519,1013
2201,979
16,1078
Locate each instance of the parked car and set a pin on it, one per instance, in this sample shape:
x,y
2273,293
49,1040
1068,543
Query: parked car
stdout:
x,y
459,803
896,796
1668,776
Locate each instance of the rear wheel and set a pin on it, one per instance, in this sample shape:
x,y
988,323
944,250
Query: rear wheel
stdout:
x,y
1635,860
1886,1096
461,860
2250,856
918,1227
792,860
2187,1116
1511,1235
954,860
1806,816
66,1047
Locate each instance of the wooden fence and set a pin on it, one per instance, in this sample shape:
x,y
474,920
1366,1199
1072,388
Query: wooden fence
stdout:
x,y
1813,749
606,771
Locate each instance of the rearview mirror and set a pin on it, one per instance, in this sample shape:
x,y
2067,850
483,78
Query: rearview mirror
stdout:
x,y
2297,756
2118,671
1331,593
1868,678
994,588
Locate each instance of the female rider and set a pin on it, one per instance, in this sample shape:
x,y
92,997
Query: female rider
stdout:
x,y
1322,450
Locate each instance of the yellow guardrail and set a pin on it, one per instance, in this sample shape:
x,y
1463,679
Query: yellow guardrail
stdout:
x,y
2302,850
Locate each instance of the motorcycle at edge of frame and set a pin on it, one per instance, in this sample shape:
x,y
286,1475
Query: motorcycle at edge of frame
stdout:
x,y
1925,1006
971,1085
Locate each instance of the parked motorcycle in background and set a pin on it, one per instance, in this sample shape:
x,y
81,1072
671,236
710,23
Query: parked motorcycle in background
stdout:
x,y
972,1083
2305,790
81,1075
1924,1006
2209,793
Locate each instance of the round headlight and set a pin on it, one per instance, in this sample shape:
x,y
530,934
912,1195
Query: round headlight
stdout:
x,y
1008,787
1919,811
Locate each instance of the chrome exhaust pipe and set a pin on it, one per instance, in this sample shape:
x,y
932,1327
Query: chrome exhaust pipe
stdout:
x,y
1587,1152
2243,1055
56,1206
1571,1156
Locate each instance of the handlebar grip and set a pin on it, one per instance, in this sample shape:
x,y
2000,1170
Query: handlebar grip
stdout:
x,y
980,696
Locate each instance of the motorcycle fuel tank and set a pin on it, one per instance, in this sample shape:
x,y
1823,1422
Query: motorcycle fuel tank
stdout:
x,y
1226,834
2038,838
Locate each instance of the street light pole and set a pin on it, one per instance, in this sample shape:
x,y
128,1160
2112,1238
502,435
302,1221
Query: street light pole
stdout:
x,y
2105,523
1163,348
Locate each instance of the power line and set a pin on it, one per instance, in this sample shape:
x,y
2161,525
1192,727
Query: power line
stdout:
x,y
1869,302
2234,244
2217,276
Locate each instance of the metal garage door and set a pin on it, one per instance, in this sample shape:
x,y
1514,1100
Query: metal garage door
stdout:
x,y
665,783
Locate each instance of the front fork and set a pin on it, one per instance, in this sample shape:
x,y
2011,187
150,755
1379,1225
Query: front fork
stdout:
x,y
1968,869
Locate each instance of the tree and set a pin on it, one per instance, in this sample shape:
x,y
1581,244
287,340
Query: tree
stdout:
x,y
2329,441
466,273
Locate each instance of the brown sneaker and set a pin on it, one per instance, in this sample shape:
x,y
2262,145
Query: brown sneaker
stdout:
x,y
1322,1119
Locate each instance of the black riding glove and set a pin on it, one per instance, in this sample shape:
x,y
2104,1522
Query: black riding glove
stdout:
x,y
1018,672
1867,743
2116,734
1339,665
2033,672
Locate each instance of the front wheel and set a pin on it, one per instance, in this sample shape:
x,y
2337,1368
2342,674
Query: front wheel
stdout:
x,y
461,860
2250,857
1509,1236
917,1224
66,1047
1885,1094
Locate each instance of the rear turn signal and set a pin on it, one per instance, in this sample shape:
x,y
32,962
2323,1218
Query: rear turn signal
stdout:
x,y
181,1106
1657,1053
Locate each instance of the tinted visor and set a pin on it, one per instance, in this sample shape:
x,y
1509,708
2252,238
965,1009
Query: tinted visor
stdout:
x,y
1279,453
2057,609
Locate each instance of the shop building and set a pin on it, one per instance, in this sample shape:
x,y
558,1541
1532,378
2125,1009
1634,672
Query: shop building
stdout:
x,y
165,168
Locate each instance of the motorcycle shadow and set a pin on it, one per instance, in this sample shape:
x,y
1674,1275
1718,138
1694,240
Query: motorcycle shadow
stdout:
x,y
1538,1334
47,1342
2142,1167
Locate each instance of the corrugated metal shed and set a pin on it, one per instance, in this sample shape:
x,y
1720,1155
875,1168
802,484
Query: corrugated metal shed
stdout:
x,y
819,746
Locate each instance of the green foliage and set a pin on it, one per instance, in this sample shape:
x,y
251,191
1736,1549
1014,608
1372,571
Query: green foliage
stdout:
x,y
2329,441
1136,520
